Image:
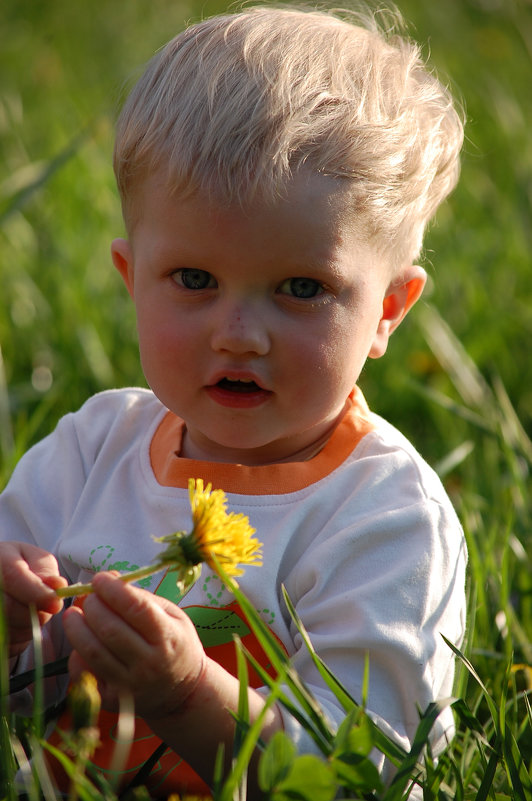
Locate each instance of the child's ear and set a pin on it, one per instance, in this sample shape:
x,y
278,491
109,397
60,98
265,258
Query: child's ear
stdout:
x,y
122,256
400,296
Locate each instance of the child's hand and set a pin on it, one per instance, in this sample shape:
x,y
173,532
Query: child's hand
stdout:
x,y
29,576
135,641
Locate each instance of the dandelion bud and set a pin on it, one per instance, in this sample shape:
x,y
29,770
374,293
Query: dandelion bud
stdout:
x,y
84,701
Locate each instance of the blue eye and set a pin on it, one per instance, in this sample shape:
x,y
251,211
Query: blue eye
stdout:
x,y
301,288
194,279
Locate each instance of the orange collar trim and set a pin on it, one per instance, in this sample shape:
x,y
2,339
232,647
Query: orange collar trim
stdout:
x,y
172,470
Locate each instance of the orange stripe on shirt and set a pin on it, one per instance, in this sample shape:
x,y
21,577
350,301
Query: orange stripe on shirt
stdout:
x,y
172,470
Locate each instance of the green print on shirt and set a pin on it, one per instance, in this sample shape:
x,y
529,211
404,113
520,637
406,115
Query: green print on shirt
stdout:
x,y
216,626
99,559
215,623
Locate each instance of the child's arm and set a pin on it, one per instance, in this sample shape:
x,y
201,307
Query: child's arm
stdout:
x,y
29,577
137,642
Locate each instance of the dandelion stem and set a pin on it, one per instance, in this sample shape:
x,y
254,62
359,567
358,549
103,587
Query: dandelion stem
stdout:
x,y
85,589
216,536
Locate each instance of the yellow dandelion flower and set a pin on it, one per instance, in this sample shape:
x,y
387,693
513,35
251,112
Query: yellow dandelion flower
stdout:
x,y
226,536
218,537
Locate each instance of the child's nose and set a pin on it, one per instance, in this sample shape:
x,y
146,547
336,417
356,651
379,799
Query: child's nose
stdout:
x,y
238,329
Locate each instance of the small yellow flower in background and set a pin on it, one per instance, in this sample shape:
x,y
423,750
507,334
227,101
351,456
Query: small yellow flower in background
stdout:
x,y
84,701
218,537
526,670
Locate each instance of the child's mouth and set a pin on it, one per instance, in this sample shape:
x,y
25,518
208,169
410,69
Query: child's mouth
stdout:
x,y
238,393
239,386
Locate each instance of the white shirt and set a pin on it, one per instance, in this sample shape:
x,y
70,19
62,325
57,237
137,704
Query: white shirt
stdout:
x,y
363,537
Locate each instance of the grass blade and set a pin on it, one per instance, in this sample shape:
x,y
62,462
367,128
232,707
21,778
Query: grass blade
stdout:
x,y
279,659
385,744
410,765
20,198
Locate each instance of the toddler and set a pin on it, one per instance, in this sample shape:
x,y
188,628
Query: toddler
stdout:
x,y
277,169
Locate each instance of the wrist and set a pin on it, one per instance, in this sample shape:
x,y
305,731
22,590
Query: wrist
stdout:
x,y
190,699
187,699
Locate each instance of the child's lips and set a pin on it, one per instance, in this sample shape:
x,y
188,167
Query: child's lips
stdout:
x,y
238,392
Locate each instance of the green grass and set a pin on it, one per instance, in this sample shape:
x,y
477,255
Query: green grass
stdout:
x,y
456,379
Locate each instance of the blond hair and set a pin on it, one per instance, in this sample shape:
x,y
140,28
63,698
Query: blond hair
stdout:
x,y
236,104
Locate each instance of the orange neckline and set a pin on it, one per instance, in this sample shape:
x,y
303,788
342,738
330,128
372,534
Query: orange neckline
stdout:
x,y
172,470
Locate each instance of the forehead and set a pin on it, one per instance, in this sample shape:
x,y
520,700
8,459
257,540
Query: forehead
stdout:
x,y
311,199
310,230
313,225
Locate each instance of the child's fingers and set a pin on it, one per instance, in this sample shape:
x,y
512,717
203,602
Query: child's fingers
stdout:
x,y
131,640
102,639
144,612
109,632
30,576
90,645
54,582
77,666
20,625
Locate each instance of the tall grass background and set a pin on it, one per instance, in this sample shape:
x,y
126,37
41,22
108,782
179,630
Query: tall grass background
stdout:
x,y
457,378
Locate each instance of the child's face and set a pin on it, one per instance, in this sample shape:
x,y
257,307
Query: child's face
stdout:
x,y
254,325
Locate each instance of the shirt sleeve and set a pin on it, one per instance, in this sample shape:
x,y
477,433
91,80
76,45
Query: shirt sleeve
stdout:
x,y
44,489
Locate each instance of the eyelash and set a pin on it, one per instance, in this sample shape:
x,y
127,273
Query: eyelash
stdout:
x,y
204,280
